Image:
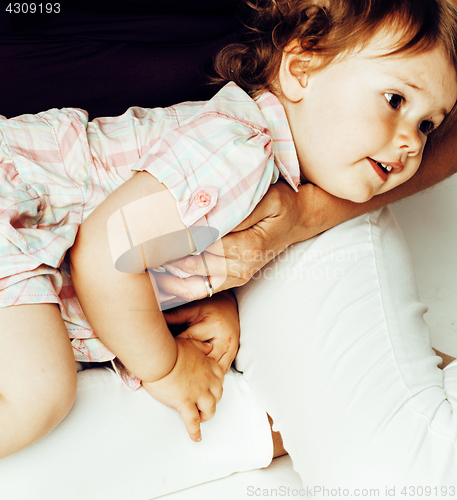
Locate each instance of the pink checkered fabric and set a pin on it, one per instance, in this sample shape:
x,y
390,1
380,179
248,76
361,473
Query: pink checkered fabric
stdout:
x,y
217,158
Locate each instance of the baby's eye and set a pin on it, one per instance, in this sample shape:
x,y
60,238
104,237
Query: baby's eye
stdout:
x,y
395,100
426,127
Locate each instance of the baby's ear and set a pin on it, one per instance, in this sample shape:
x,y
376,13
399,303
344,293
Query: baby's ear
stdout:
x,y
294,70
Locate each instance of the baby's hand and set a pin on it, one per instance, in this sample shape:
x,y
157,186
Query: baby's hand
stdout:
x,y
193,387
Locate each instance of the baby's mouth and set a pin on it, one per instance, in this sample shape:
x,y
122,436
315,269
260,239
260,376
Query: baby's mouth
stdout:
x,y
384,168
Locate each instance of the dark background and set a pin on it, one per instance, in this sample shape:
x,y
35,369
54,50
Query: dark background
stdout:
x,y
106,55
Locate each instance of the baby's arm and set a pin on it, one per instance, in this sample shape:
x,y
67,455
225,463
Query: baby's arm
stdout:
x,y
123,310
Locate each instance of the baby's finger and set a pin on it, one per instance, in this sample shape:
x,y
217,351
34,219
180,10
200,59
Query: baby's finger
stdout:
x,y
191,418
216,390
205,347
218,350
217,370
207,406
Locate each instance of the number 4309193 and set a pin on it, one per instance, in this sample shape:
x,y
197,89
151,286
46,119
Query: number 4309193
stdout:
x,y
32,8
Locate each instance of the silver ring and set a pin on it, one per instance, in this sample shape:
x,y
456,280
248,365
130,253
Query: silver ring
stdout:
x,y
209,286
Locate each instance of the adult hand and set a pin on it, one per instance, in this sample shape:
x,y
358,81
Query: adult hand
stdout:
x,y
214,321
282,218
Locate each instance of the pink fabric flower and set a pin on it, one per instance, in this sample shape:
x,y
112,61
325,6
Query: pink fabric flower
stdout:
x,y
203,199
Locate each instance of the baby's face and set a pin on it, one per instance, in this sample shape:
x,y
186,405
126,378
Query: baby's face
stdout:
x,y
362,125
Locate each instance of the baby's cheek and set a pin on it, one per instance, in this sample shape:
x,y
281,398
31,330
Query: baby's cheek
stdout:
x,y
414,167
400,179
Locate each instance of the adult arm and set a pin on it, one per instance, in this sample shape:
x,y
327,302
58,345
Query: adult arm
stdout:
x,y
284,217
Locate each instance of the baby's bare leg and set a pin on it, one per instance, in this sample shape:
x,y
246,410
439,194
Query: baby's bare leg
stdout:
x,y
37,374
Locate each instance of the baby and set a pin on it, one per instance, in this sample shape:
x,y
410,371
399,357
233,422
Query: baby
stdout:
x,y
341,94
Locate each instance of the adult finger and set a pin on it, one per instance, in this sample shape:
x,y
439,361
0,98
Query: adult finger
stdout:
x,y
243,255
204,264
189,289
191,418
225,346
181,315
224,357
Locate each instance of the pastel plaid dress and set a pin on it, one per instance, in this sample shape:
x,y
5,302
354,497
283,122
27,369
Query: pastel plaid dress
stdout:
x,y
217,158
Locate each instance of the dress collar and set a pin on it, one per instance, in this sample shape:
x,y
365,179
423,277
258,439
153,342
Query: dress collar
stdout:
x,y
283,144
267,114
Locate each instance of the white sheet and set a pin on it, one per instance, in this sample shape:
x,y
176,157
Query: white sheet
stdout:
x,y
144,443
